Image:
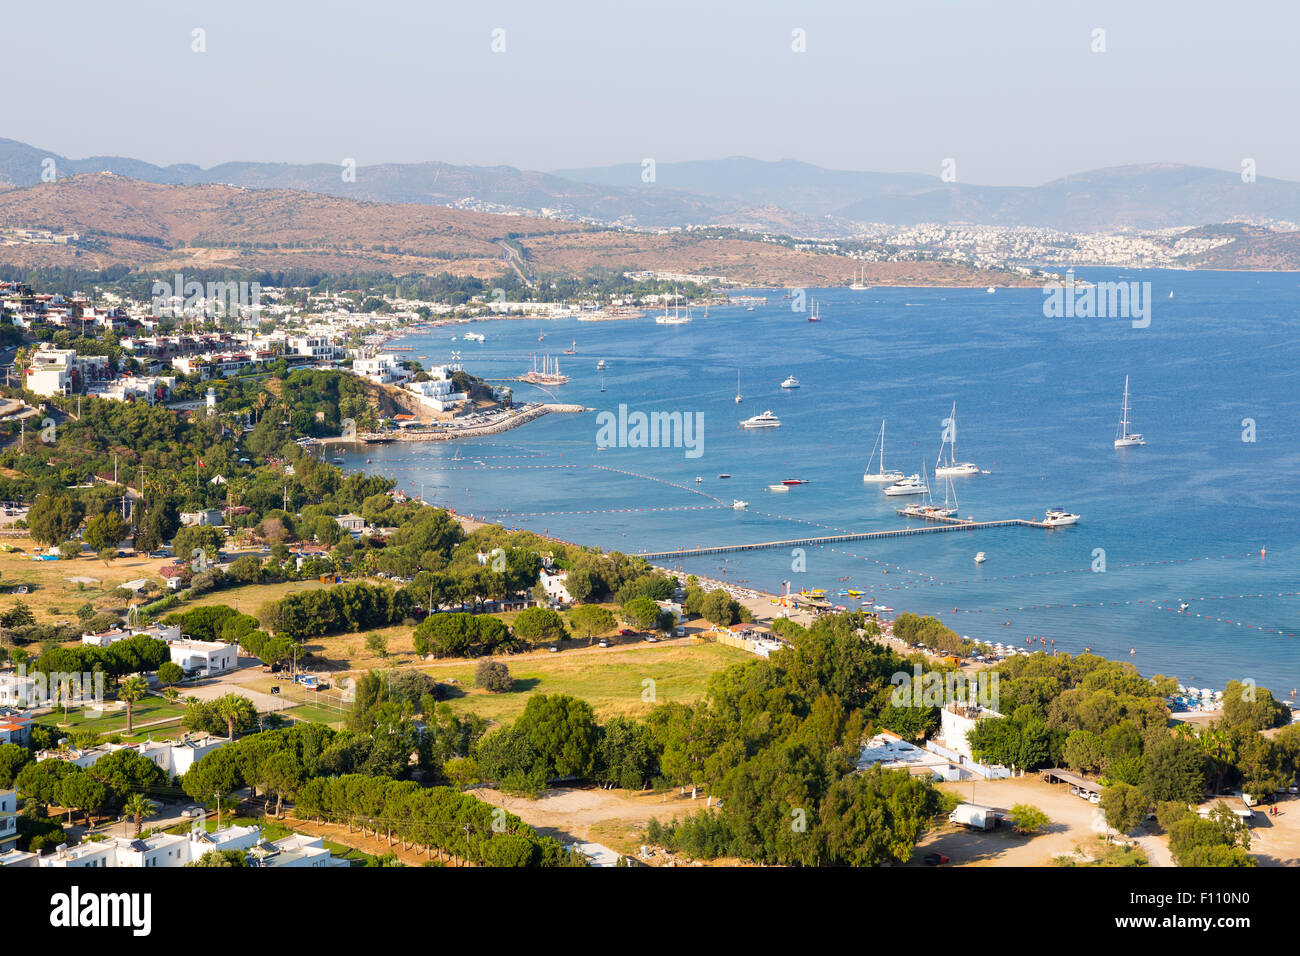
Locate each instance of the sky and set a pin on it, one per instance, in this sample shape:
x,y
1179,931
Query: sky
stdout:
x,y
1013,92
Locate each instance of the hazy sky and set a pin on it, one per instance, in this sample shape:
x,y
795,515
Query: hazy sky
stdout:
x,y
1011,90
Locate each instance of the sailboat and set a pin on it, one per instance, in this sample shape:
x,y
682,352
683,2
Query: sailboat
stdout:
x,y
737,386
676,318
1126,437
880,477
602,383
950,443
860,281
816,314
572,349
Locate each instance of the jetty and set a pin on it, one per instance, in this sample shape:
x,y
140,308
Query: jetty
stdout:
x,y
940,526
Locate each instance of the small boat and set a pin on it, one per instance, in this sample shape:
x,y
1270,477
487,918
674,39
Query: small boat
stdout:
x,y
602,383
816,314
990,290
600,366
790,382
739,505
1126,437
737,386
881,607
778,488
794,481
724,475
572,349
1059,518
1182,606
540,336
981,558
699,480
765,420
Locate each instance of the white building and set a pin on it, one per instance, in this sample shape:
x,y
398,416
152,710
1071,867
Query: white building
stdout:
x,y
174,757
553,585
16,691
8,820
205,657
381,369
194,519
159,632
956,721
296,850
52,371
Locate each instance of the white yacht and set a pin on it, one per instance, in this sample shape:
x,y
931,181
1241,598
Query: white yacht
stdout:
x,y
911,485
944,469
980,557
1058,518
766,420
790,382
739,505
881,476
1126,437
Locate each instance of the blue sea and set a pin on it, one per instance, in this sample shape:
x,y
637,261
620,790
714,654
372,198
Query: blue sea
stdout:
x,y
1197,515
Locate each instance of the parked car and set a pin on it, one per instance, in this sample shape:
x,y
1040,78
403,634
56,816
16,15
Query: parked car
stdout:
x,y
191,812
935,859
553,649
651,639
626,631
603,643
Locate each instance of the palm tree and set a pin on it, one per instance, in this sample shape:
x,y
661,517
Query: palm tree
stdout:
x,y
138,808
129,691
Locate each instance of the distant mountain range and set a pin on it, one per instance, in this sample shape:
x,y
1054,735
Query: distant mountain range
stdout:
x,y
787,196
159,229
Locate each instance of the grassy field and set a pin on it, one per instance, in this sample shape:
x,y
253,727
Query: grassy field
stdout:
x,y
53,596
611,679
147,711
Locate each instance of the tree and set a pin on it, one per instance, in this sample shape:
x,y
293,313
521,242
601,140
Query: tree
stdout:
x,y
54,517
462,772
719,608
590,620
1027,819
138,807
1124,806
104,532
170,673
1220,839
1173,768
235,710
131,690
872,818
493,676
221,858
539,625
377,643
1248,706
203,538
562,731
281,774
80,791
642,613
12,759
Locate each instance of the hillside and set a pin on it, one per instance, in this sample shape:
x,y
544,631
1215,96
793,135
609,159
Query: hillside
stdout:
x,y
163,228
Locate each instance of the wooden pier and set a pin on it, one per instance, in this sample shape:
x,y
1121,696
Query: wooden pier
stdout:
x,y
940,525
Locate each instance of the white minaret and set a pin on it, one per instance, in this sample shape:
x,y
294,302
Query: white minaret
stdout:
x,y
212,402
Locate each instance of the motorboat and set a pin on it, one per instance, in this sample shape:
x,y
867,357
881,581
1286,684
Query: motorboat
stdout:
x,y
765,420
1059,518
911,485
790,382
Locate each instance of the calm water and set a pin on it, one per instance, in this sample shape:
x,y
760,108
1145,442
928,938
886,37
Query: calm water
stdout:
x,y
1180,519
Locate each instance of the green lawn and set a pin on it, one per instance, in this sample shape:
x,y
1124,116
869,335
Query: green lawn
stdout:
x,y
610,679
146,711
